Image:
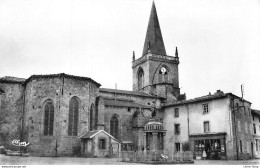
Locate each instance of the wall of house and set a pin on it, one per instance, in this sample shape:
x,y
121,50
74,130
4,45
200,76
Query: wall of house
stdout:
x,y
245,134
256,135
60,91
11,111
169,120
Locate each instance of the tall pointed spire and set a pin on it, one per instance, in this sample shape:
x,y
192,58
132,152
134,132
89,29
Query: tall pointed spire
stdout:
x,y
153,37
176,52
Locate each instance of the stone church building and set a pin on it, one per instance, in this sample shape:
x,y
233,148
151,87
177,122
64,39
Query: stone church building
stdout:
x,y
66,115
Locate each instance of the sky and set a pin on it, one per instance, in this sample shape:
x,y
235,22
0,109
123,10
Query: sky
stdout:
x,y
218,41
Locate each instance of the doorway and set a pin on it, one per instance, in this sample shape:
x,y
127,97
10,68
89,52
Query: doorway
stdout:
x,y
252,150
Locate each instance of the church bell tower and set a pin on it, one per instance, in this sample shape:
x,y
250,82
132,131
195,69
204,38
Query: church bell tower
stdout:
x,y
155,72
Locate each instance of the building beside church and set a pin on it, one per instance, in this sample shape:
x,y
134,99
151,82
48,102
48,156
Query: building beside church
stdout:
x,y
66,115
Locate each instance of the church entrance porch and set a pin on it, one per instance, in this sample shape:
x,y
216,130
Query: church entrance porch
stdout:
x,y
208,146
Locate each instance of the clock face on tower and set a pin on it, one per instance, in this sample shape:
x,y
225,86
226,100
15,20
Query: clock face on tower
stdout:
x,y
163,70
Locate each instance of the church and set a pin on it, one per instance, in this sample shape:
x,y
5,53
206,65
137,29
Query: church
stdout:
x,y
67,115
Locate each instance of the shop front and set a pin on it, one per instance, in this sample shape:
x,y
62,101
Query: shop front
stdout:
x,y
209,146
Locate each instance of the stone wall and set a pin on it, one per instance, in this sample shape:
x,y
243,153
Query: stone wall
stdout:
x,y
11,111
241,116
60,90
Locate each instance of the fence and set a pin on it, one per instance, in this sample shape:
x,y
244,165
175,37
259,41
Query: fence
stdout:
x,y
160,156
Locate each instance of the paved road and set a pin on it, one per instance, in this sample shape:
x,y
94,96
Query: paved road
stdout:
x,y
17,160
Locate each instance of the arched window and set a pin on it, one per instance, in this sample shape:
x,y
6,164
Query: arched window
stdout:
x,y
163,75
140,76
48,118
114,125
73,117
91,118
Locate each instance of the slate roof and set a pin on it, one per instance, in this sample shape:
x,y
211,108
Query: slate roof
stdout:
x,y
11,79
153,35
22,80
123,103
127,92
62,75
203,98
91,134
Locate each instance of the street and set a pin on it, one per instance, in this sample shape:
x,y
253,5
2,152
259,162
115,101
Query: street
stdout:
x,y
17,160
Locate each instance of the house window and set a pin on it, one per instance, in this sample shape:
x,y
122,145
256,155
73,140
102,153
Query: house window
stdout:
x,y
239,126
177,147
114,125
73,117
205,108
177,129
48,118
140,76
246,128
176,112
254,128
256,144
206,126
102,143
237,108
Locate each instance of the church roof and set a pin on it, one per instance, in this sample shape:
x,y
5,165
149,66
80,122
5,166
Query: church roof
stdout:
x,y
126,92
11,79
154,39
123,103
63,75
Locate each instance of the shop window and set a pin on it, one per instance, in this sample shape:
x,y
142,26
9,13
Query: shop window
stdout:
x,y
176,112
177,129
254,128
239,126
73,116
177,147
206,126
102,143
205,108
48,118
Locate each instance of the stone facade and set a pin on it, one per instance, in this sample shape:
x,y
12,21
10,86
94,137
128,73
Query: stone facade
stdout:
x,y
255,129
11,109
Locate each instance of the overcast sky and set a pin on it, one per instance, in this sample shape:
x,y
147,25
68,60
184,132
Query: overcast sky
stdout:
x,y
218,41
